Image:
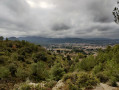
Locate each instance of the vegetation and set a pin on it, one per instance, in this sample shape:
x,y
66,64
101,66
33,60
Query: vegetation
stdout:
x,y
21,61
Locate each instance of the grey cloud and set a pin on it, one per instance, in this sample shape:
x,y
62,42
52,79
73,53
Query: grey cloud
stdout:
x,y
69,18
60,27
102,10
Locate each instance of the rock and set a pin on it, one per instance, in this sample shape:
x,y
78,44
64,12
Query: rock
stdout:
x,y
59,85
105,87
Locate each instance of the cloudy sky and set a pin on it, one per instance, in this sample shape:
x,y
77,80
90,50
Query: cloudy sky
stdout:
x,y
58,18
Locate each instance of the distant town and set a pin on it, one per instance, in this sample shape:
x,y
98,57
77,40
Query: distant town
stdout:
x,y
75,48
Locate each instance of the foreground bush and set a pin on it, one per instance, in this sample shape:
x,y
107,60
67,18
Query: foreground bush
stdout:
x,y
80,80
57,72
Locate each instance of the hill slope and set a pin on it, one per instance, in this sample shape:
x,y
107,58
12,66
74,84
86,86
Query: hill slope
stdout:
x,y
28,66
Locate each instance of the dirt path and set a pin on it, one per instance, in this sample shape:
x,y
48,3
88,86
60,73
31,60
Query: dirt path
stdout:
x,y
105,87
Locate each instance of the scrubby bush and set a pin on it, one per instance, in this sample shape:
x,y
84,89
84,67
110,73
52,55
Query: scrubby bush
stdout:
x,y
50,84
80,80
102,77
3,59
113,82
88,63
13,69
4,72
22,73
71,76
39,71
25,87
39,56
86,80
57,72
72,86
112,69
98,68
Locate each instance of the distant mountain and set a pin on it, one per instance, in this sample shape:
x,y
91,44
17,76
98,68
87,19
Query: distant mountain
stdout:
x,y
44,41
13,38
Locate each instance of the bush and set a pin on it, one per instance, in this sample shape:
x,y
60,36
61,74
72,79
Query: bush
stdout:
x,y
25,87
102,77
22,74
57,72
13,69
111,69
88,63
71,76
86,80
97,68
113,82
39,56
50,84
4,72
39,71
80,55
73,87
2,53
3,59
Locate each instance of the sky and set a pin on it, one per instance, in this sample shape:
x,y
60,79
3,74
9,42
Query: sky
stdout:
x,y
58,18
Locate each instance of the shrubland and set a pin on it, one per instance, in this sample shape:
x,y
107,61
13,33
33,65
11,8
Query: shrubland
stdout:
x,y
21,61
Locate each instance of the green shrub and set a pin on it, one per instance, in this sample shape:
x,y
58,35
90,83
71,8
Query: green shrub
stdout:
x,y
111,69
13,69
25,87
86,80
102,77
3,59
71,76
22,73
113,82
73,87
39,56
97,68
4,72
39,71
88,63
2,53
50,84
57,72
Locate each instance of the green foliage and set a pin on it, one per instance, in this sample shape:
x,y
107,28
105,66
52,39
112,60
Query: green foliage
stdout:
x,y
25,87
50,84
13,69
71,76
57,72
81,55
113,81
73,87
116,14
1,38
3,59
4,72
68,57
22,74
39,56
80,80
39,71
102,77
20,60
98,68
88,63
86,80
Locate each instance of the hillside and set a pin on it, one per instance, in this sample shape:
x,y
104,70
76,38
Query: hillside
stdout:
x,y
20,59
26,66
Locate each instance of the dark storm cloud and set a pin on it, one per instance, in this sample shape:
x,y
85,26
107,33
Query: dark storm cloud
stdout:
x,y
58,18
60,27
101,10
